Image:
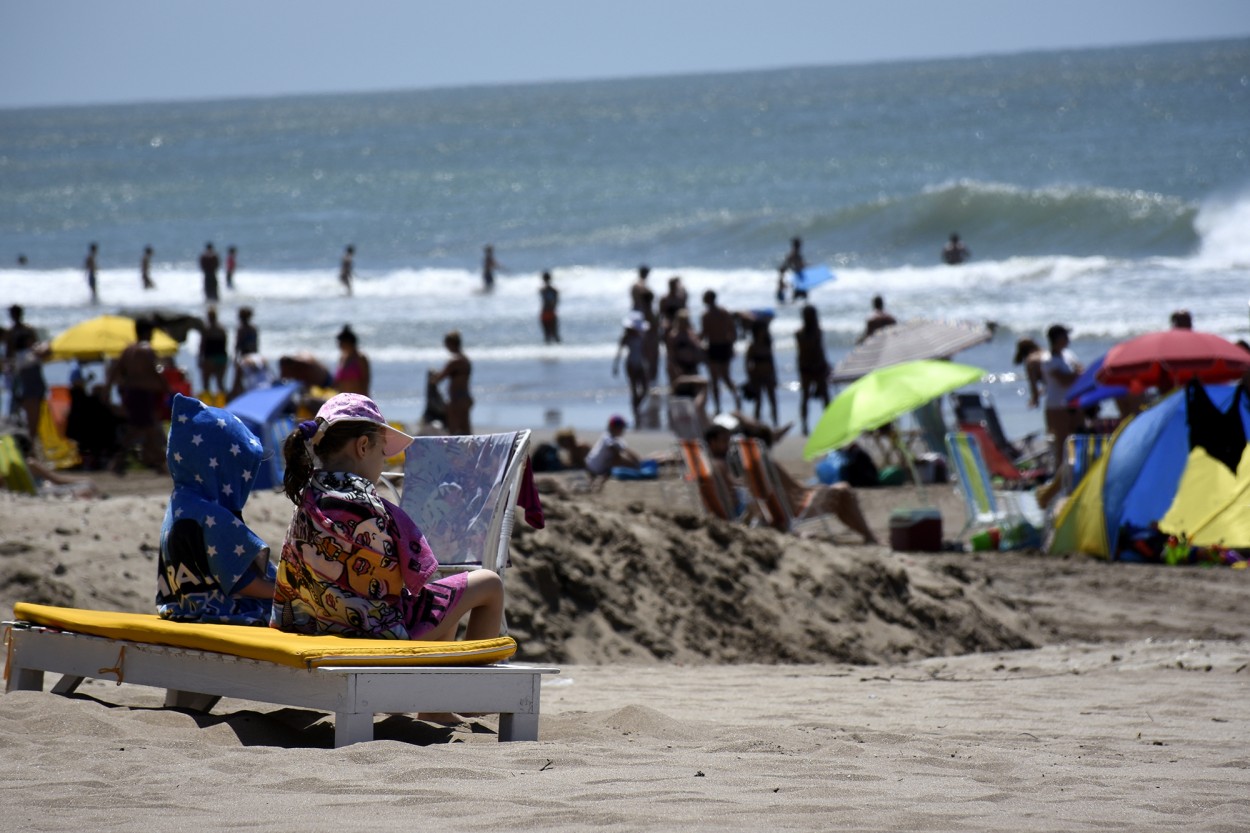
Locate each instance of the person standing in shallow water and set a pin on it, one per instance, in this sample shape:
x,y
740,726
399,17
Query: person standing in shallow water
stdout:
x,y
145,268
346,268
210,262
547,317
489,266
232,260
813,364
90,266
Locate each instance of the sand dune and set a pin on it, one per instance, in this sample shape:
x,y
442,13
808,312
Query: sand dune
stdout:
x,y
713,678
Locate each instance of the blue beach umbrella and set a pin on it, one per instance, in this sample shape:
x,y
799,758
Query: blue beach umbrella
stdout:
x,y
1087,390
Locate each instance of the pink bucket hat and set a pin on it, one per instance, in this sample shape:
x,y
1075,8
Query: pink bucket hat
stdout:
x,y
355,407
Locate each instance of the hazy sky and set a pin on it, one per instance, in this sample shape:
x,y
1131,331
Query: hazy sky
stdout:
x,y
96,51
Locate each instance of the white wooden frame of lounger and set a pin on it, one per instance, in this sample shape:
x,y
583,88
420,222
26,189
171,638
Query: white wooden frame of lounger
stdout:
x,y
196,680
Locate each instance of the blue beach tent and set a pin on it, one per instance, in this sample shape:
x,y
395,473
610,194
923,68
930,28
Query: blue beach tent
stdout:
x,y
268,413
1182,464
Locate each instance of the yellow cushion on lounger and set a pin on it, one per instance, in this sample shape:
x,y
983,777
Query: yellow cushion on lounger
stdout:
x,y
266,644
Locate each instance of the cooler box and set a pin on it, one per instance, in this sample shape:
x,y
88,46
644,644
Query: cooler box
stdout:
x,y
916,530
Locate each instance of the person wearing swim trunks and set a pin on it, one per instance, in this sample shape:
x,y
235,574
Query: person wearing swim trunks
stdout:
x,y
214,353
549,297
718,332
143,390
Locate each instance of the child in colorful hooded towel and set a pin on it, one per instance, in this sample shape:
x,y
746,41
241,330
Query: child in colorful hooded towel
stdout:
x,y
354,563
211,568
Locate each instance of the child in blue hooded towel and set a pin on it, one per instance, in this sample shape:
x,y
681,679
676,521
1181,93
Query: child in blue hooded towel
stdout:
x,y
212,568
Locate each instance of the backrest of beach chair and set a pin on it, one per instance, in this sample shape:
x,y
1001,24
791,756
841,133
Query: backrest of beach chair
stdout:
x,y
758,471
13,469
462,492
713,494
978,409
1080,452
996,462
932,426
684,419
974,479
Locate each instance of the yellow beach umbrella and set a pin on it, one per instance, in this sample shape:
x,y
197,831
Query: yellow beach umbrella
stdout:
x,y
105,337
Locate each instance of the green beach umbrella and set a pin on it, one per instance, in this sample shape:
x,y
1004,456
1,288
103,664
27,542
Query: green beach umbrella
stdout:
x,y
883,396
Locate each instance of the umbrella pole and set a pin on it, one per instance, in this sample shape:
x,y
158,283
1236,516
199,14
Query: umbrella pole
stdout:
x,y
911,462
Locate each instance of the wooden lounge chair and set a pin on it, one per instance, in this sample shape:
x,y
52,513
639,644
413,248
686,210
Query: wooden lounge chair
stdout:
x,y
199,664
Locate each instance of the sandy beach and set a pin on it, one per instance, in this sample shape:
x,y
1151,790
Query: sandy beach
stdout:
x,y
713,677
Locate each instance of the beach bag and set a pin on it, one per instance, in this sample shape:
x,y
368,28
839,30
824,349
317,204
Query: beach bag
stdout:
x,y
546,457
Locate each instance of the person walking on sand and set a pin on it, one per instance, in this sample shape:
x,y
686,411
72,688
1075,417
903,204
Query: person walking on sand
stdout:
x,y
633,346
718,330
24,355
346,267
232,260
761,367
549,298
90,266
145,268
210,262
813,363
457,372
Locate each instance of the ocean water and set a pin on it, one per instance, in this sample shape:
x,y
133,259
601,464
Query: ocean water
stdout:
x,y
1099,188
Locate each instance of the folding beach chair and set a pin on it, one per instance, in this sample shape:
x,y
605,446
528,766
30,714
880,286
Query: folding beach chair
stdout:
x,y
983,506
759,471
999,464
462,492
1079,453
715,496
979,409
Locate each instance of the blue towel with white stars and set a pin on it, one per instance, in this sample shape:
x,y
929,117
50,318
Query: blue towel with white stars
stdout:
x,y
207,553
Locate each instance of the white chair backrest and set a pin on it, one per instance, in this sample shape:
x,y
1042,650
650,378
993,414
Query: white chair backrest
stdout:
x,y
462,491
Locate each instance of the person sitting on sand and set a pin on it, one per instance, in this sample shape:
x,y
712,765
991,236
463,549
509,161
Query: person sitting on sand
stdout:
x,y
574,452
354,563
837,499
211,567
610,451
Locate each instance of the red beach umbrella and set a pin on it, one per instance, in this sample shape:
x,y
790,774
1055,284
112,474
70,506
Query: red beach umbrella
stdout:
x,y
1170,358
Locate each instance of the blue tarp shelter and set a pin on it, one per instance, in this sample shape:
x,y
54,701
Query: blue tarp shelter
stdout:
x,y
269,414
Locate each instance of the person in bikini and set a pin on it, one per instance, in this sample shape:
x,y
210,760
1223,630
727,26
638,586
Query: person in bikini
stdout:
x,y
457,372
353,374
